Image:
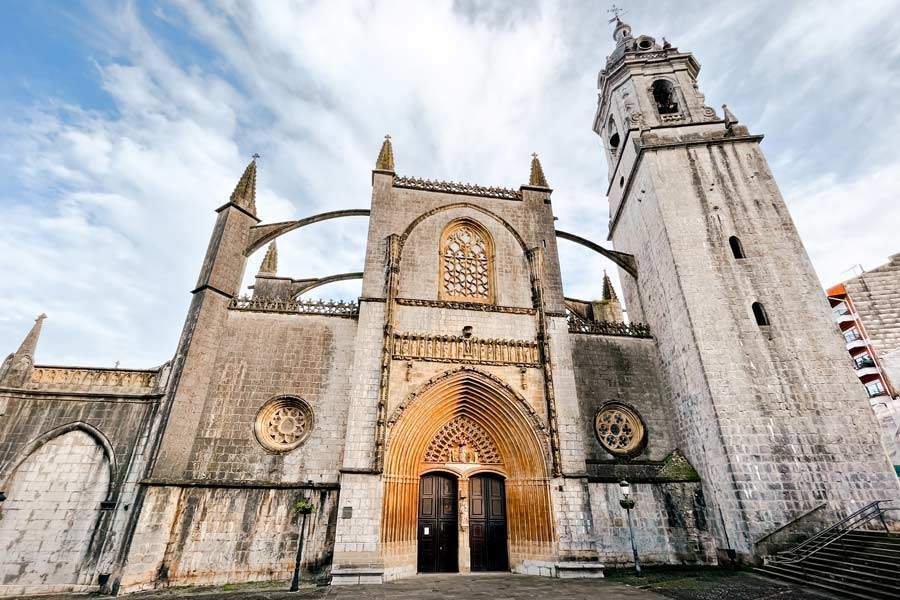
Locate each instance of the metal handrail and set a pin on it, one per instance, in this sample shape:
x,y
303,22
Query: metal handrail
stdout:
x,y
833,533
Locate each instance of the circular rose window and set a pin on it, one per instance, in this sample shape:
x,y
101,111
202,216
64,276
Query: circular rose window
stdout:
x,y
619,429
283,424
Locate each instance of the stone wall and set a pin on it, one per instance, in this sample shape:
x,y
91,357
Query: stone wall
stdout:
x,y
669,521
770,416
262,356
67,439
200,536
609,368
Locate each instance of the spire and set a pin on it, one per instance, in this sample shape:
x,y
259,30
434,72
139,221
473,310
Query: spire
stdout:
x,y
244,194
622,30
537,178
16,369
609,292
385,160
269,264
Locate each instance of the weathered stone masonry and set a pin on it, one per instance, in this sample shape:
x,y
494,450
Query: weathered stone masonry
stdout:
x,y
462,361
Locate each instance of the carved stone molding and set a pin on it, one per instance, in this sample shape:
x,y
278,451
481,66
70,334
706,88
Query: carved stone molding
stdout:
x,y
81,379
453,305
460,349
454,187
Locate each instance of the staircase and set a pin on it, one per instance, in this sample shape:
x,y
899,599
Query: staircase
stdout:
x,y
844,559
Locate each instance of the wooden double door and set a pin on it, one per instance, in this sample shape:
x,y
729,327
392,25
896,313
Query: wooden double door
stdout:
x,y
487,523
438,529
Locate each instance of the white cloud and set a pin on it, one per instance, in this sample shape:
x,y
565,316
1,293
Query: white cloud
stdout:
x,y
111,211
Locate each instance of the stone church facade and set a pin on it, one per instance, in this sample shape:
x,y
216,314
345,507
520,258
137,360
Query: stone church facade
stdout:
x,y
464,415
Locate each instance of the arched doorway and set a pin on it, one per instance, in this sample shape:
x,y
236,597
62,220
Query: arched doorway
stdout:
x,y
468,423
487,523
438,534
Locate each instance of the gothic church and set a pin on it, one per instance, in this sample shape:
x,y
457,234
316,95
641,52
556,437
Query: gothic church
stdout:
x,y
463,415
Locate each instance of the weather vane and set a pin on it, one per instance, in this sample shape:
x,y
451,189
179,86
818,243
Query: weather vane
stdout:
x,y
616,12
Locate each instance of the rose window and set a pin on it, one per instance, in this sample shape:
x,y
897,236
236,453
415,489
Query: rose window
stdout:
x,y
619,429
283,424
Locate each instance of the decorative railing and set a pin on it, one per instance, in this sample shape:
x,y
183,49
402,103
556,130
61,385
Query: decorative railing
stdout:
x,y
329,308
579,325
455,187
74,378
460,349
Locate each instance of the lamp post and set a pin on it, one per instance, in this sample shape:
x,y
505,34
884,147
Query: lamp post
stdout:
x,y
627,502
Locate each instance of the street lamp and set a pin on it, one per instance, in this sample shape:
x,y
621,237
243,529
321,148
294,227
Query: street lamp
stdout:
x,y
627,502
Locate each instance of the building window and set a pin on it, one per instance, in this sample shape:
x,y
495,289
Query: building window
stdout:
x,y
620,429
852,334
664,96
875,388
759,313
612,135
736,248
467,255
863,361
283,423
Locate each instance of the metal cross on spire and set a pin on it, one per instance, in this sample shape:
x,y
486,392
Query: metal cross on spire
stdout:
x,y
616,12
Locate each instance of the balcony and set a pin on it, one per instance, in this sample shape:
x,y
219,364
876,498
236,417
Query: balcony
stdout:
x,y
856,342
846,317
866,371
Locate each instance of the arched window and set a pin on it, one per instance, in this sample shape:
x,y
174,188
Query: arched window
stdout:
x,y
612,134
467,263
762,319
664,96
736,248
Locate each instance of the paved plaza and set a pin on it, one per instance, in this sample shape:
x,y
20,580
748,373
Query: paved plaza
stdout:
x,y
713,585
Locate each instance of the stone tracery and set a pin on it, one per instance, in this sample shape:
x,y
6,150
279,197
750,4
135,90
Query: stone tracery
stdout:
x,y
462,441
466,257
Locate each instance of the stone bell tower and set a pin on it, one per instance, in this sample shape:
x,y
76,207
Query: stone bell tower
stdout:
x,y
764,403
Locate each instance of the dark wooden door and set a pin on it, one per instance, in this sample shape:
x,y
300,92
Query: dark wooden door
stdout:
x,y
438,532
487,523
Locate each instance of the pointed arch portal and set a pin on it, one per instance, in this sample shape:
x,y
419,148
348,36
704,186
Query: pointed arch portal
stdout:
x,y
504,439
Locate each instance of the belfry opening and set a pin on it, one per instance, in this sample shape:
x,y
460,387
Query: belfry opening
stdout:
x,y
466,480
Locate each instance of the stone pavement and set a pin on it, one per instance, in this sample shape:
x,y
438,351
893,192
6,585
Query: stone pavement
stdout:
x,y
689,586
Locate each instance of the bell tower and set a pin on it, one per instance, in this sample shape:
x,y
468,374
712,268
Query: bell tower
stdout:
x,y
764,402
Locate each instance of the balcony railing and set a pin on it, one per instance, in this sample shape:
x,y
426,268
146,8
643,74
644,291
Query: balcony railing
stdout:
x,y
579,325
306,307
864,363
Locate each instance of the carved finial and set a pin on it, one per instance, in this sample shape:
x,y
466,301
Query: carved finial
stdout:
x,y
17,368
622,30
728,115
537,178
269,264
244,194
666,44
609,292
385,160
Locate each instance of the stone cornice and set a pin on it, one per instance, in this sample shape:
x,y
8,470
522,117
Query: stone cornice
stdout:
x,y
476,306
455,187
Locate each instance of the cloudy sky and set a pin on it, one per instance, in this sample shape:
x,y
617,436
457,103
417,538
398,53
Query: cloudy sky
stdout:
x,y
125,124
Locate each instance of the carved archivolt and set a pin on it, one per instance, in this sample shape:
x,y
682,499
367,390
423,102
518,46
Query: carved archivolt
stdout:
x,y
462,441
467,257
460,349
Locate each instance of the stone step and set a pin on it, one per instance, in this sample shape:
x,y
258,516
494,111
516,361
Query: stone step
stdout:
x,y
867,578
841,591
859,560
887,571
862,553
